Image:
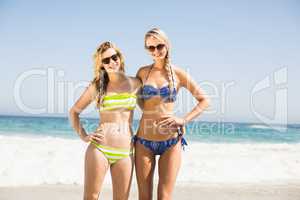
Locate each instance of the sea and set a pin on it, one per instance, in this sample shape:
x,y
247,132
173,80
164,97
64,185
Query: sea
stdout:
x,y
46,150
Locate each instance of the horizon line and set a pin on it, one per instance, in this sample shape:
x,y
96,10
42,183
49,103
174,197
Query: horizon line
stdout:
x,y
94,118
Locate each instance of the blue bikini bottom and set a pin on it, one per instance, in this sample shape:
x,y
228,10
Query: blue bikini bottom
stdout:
x,y
159,147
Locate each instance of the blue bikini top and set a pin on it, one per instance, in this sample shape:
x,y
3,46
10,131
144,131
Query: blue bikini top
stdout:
x,y
164,92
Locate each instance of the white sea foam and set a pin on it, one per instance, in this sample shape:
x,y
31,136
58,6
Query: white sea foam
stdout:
x,y
240,163
34,161
259,126
275,127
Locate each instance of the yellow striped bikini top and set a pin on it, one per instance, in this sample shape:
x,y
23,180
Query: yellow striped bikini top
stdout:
x,y
113,101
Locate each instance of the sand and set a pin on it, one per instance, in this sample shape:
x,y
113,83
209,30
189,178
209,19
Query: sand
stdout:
x,y
287,191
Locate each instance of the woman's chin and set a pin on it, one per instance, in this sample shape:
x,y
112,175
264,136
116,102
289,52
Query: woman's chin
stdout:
x,y
159,58
113,71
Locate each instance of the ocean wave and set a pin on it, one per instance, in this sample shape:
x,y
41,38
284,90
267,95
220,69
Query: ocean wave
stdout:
x,y
259,126
35,161
274,127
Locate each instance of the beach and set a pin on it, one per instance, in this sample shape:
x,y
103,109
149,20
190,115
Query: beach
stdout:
x,y
44,159
226,73
286,191
218,172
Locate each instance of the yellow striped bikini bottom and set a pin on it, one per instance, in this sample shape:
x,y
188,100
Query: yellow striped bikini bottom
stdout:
x,y
113,154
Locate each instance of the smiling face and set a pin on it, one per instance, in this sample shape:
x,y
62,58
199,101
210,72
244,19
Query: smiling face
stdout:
x,y
111,60
156,47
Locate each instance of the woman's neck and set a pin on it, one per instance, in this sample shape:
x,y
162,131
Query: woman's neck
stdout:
x,y
116,77
159,64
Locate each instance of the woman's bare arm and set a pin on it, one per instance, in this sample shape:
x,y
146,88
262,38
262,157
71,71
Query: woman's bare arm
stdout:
x,y
85,99
203,102
140,100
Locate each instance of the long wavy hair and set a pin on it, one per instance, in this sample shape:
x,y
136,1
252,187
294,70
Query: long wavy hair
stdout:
x,y
101,79
161,35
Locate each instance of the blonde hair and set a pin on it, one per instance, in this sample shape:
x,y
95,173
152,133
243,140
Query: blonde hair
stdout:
x,y
101,78
161,35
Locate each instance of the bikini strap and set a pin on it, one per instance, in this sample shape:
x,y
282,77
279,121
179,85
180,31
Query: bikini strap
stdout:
x,y
148,74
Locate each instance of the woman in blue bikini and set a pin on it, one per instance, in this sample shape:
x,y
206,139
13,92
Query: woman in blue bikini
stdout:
x,y
160,132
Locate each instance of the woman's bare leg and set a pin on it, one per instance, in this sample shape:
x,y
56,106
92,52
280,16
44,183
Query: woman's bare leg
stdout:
x,y
121,175
168,167
96,166
144,167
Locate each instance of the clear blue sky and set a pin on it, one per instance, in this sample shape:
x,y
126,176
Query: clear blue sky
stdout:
x,y
216,41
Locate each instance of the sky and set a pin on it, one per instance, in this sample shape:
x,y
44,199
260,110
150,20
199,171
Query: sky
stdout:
x,y
244,54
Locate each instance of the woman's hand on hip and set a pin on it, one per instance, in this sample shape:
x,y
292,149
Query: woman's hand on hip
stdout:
x,y
86,138
98,136
170,120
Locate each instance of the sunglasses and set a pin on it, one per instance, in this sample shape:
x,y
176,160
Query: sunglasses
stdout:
x,y
114,57
159,47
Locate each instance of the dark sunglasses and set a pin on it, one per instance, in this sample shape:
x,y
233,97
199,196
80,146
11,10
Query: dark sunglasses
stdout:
x,y
114,57
159,47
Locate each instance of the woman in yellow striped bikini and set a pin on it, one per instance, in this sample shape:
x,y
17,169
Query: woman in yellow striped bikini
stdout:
x,y
111,145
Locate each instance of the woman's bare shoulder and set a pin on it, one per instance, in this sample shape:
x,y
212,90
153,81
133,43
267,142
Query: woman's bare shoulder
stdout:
x,y
180,72
143,70
135,82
